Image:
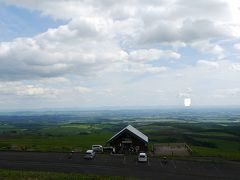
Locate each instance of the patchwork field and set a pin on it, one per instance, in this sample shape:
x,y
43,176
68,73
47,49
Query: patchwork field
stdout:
x,y
63,134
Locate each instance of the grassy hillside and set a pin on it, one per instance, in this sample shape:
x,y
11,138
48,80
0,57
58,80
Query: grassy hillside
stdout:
x,y
31,175
205,138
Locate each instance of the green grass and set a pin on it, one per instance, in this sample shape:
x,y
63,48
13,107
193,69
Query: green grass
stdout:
x,y
82,126
224,148
31,175
64,131
209,152
206,139
49,143
218,134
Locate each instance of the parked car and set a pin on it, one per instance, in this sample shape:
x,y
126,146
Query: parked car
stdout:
x,y
142,157
90,154
109,149
97,148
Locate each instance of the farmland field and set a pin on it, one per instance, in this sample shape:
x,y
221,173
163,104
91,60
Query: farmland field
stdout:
x,y
209,133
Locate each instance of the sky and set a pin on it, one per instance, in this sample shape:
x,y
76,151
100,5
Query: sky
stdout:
x,y
87,53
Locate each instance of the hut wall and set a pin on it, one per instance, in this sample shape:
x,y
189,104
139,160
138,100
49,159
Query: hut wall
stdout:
x,y
127,142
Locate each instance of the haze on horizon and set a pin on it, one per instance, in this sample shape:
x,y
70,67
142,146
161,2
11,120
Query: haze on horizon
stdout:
x,y
86,53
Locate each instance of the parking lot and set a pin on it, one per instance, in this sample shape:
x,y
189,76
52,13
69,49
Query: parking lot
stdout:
x,y
119,165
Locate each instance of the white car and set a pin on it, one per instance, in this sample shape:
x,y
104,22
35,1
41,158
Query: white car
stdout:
x,y
97,148
142,157
90,154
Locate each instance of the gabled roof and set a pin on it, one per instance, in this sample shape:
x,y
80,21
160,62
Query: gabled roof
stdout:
x,y
132,130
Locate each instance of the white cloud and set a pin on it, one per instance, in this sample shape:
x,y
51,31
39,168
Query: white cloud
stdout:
x,y
20,89
237,46
227,93
152,54
187,31
83,89
208,64
186,93
121,46
206,47
56,52
141,68
235,67
160,20
31,90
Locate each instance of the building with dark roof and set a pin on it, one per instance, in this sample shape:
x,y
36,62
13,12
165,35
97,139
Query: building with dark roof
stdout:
x,y
129,139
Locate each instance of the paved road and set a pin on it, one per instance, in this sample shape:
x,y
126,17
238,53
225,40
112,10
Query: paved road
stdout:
x,y
120,166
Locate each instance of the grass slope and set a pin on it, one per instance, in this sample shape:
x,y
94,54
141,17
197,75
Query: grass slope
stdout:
x,y
31,175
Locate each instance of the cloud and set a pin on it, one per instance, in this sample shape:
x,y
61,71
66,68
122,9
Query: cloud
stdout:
x,y
137,68
160,21
133,48
83,89
186,93
237,46
206,47
57,52
152,54
187,31
23,90
227,93
31,90
235,67
208,64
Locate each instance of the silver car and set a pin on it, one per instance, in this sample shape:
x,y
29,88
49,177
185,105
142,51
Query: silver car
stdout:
x,y
142,157
97,148
90,154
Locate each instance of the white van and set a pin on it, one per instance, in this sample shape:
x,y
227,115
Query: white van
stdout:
x,y
97,148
